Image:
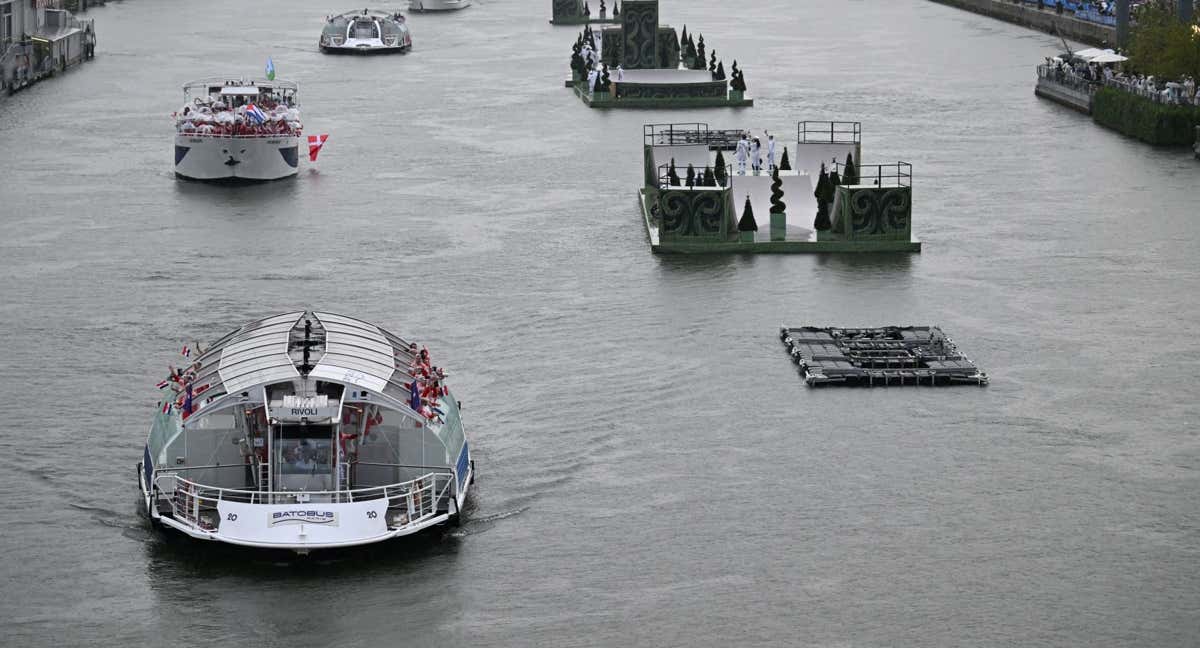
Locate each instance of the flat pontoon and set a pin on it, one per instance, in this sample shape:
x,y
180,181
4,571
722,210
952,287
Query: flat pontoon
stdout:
x,y
305,431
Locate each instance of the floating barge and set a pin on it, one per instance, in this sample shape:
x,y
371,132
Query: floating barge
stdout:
x,y
640,63
888,355
862,208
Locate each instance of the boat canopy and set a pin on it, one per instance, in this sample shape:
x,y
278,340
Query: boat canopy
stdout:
x,y
354,353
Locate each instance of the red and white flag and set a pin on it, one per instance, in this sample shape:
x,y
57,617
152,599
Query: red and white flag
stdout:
x,y
185,351
315,142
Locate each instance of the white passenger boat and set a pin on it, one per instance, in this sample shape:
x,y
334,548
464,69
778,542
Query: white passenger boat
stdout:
x,y
437,5
366,32
238,130
306,431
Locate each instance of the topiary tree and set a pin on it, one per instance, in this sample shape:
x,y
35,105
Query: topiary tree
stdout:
x,y
785,164
605,81
587,10
741,81
719,173
603,9
710,179
672,176
691,46
616,9
734,70
683,39
712,63
747,222
850,174
577,63
691,175
720,71
777,204
834,181
821,222
700,53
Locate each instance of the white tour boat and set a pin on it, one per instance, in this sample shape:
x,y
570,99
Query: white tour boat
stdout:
x,y
306,431
437,5
238,130
366,32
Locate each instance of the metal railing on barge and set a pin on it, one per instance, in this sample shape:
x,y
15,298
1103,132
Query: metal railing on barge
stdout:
x,y
195,504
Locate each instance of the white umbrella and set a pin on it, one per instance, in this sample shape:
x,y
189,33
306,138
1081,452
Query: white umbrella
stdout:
x,y
1108,58
1087,54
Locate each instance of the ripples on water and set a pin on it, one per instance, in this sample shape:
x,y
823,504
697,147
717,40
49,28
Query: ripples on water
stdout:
x,y
651,469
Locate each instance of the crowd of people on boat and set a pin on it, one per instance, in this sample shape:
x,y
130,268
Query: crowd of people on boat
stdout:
x,y
181,381
426,388
265,115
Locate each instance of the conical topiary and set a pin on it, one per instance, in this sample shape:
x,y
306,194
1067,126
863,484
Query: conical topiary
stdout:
x,y
586,10
700,53
739,82
721,71
834,181
683,39
616,9
605,80
691,175
672,176
821,222
777,204
784,163
710,179
747,222
719,173
850,174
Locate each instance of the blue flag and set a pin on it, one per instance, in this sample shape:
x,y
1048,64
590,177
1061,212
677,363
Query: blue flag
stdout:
x,y
270,69
415,396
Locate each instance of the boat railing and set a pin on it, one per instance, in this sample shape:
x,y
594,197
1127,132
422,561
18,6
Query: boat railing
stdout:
x,y
898,174
675,134
215,134
828,132
1065,76
195,504
665,181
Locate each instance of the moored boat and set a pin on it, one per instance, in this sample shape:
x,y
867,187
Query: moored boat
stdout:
x,y
437,5
239,130
303,431
366,32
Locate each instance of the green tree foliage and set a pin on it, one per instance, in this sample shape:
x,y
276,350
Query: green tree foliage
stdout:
x,y
699,54
672,176
719,173
720,71
1139,117
616,9
784,163
821,222
777,204
1161,45
712,62
747,223
849,173
710,178
691,175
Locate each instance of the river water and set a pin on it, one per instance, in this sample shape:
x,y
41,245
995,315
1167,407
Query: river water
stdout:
x,y
652,471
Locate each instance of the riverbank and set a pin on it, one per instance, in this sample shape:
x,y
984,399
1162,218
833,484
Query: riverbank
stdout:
x,y
1046,20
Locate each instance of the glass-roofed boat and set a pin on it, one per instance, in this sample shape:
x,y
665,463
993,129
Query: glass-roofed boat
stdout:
x,y
303,431
366,32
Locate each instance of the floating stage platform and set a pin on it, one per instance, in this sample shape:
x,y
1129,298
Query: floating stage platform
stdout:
x,y
870,213
888,355
642,64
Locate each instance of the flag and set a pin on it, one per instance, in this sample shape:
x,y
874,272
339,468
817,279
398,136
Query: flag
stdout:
x,y
185,351
163,383
270,69
166,408
315,142
414,396
255,114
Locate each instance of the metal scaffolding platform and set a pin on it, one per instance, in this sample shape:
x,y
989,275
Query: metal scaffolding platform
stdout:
x,y
889,355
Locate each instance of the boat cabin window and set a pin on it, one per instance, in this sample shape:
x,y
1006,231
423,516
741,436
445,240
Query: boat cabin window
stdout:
x,y
365,29
304,456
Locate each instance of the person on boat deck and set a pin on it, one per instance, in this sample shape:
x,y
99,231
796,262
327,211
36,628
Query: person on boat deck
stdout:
x,y
770,151
592,81
755,160
743,149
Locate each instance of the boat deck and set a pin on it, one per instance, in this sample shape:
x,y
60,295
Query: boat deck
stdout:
x,y
890,355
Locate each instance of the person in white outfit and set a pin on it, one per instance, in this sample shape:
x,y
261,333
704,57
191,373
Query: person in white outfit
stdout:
x,y
770,151
592,74
755,160
743,148
620,73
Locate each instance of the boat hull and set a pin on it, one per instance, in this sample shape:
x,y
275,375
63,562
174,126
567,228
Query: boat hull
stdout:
x,y
438,5
303,527
236,159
